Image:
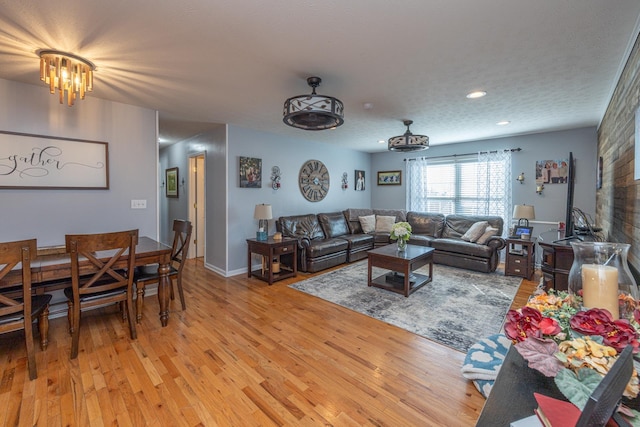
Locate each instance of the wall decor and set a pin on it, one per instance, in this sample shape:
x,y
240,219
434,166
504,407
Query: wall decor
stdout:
x,y
599,173
314,180
250,172
359,178
171,182
552,171
38,161
636,161
275,177
389,177
345,181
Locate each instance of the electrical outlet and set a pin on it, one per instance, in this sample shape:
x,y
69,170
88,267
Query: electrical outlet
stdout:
x,y
138,204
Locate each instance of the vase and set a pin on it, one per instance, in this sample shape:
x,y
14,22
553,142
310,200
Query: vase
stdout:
x,y
601,276
402,245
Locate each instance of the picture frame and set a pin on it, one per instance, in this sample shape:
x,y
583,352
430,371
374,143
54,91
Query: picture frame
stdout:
x,y
359,179
599,173
47,162
250,172
389,177
171,182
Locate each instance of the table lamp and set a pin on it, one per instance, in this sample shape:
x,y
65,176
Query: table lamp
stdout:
x,y
263,214
524,213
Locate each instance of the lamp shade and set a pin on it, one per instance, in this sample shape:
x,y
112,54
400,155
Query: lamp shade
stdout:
x,y
524,212
262,211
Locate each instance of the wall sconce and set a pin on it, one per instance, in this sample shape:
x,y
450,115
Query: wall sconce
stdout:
x,y
275,177
345,181
539,188
520,178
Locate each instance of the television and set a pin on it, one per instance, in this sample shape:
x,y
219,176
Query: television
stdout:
x,y
570,232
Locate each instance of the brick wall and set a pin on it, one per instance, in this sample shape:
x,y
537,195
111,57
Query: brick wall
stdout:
x,y
617,203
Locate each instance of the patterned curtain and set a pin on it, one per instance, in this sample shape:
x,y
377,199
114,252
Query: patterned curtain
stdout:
x,y
494,184
416,173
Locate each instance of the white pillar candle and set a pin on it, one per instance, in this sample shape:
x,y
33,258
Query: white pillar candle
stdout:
x,y
600,288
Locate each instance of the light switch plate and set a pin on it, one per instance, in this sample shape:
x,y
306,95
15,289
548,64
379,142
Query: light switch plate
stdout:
x,y
138,204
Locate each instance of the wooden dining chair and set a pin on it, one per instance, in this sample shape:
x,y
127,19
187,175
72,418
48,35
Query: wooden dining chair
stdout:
x,y
149,274
101,267
18,308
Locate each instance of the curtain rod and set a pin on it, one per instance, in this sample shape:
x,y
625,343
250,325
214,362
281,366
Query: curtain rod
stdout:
x,y
467,154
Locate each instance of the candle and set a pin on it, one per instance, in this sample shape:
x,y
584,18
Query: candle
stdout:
x,y
600,288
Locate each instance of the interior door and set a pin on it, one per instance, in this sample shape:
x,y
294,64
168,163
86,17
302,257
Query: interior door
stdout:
x,y
197,205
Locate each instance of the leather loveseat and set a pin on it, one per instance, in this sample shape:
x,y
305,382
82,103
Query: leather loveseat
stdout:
x,y
329,239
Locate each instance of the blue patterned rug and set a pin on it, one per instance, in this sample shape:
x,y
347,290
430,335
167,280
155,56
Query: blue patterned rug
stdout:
x,y
456,309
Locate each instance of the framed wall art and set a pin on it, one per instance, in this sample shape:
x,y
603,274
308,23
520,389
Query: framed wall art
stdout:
x,y
171,181
250,169
599,173
359,178
389,177
46,162
552,171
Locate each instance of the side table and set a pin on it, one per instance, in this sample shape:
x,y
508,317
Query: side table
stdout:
x,y
520,258
279,258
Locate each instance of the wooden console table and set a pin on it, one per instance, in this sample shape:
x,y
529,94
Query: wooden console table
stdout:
x,y
557,259
273,252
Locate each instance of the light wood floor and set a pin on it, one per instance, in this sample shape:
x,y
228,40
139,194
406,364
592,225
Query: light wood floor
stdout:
x,y
242,354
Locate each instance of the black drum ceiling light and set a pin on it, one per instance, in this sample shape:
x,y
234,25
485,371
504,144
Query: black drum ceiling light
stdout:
x,y
408,141
313,112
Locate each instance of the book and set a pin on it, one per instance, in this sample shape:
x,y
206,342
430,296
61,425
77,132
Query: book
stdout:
x,y
555,412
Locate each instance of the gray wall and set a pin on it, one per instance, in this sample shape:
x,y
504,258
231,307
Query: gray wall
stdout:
x,y
49,214
549,206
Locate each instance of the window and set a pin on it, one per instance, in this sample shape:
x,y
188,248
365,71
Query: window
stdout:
x,y
465,185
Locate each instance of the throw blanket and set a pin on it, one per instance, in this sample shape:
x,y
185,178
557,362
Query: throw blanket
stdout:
x,y
484,360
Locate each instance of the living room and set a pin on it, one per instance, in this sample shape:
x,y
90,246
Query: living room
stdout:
x,y
137,172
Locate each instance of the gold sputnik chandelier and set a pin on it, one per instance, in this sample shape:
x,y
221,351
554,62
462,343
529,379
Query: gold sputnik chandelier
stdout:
x,y
71,75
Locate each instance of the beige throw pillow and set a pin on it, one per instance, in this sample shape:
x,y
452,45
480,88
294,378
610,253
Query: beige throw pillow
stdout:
x,y
488,233
368,223
475,231
384,223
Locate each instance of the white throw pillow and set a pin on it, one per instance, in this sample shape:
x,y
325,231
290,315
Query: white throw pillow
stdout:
x,y
488,233
475,231
384,223
368,223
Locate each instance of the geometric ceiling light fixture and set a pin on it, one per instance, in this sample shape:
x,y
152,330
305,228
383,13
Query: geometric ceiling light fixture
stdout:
x,y
313,112
70,74
408,141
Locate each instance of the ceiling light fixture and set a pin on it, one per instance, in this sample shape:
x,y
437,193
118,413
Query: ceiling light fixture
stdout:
x,y
503,123
408,141
476,94
70,74
313,112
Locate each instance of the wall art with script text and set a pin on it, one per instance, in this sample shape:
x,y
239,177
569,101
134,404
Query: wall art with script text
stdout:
x,y
37,161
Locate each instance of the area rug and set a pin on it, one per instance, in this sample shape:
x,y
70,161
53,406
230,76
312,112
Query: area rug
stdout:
x,y
456,309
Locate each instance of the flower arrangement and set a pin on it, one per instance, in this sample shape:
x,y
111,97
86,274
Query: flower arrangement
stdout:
x,y
401,231
575,347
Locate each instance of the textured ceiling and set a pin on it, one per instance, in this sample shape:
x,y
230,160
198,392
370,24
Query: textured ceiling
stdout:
x,y
548,65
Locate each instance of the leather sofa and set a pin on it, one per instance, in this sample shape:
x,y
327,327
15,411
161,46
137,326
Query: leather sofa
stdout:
x,y
329,239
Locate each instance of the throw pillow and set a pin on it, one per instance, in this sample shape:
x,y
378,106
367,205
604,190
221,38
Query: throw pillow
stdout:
x,y
368,223
475,231
384,223
489,232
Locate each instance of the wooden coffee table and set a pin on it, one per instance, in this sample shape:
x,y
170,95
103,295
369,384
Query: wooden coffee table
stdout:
x,y
401,279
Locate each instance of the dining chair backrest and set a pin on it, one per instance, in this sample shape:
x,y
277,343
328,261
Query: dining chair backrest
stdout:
x,y
97,261
181,239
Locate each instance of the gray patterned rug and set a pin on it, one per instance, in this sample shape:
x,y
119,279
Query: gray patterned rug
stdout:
x,y
456,309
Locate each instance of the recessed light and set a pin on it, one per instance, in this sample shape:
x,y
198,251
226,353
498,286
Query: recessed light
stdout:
x,y
503,123
476,94
381,141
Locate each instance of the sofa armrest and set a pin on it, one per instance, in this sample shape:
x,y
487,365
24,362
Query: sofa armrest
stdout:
x,y
497,243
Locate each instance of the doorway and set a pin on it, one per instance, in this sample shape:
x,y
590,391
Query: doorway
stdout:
x,y
197,205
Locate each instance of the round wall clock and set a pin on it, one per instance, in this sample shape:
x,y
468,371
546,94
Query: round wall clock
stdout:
x,y
314,180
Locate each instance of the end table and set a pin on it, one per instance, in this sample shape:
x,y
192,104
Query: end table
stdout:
x,y
520,259
279,258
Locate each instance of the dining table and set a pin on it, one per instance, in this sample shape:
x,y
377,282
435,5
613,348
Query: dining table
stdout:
x,y
51,270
